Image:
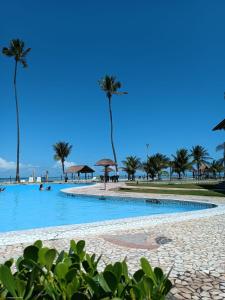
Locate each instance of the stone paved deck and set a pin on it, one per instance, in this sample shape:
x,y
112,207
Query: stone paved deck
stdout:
x,y
195,243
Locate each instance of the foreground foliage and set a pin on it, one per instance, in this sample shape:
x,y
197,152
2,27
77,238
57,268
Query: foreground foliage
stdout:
x,y
43,273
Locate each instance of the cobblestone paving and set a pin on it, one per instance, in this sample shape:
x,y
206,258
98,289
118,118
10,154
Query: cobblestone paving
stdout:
x,y
196,251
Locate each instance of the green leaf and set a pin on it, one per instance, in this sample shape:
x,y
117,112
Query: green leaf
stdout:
x,y
61,269
60,257
125,269
70,275
148,269
21,287
86,266
41,255
148,287
7,280
73,246
158,273
167,286
9,263
103,283
111,280
135,293
117,270
80,247
38,244
109,268
92,284
72,287
31,252
138,275
49,257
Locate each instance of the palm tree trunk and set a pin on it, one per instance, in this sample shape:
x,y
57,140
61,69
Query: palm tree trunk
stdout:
x,y
111,134
18,128
63,167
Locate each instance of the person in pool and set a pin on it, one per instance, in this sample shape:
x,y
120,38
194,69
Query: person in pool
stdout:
x,y
48,188
41,187
2,189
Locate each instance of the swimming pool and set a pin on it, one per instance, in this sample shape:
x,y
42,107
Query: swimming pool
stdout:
x,y
25,207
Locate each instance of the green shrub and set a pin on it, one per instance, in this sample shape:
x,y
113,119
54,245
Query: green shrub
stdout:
x,y
43,273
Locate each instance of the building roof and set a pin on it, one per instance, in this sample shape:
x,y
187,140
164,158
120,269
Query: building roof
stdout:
x,y
220,126
80,169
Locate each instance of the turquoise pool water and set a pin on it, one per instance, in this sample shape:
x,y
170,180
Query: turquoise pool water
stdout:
x,y
25,207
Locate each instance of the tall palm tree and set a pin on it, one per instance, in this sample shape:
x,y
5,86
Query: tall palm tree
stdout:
x,y
62,151
181,162
219,148
200,156
17,50
110,86
131,165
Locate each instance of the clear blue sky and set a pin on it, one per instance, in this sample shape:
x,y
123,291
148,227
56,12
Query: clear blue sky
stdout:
x,y
169,56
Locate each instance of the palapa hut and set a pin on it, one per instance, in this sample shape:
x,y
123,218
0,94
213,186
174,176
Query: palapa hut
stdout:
x,y
106,163
204,170
82,169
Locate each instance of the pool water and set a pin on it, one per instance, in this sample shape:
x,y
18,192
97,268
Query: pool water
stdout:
x,y
25,207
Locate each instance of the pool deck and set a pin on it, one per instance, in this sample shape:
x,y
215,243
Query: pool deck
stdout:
x,y
192,243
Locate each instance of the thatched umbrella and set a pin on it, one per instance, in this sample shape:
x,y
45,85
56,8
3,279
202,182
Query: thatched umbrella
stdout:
x,y
108,170
106,163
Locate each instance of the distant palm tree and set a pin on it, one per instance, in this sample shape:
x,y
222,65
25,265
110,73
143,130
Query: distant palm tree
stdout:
x,y
150,167
62,151
181,162
131,165
216,167
219,148
110,86
155,164
200,156
17,50
161,162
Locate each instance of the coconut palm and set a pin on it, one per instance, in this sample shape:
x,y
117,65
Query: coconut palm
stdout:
x,y
219,148
199,156
62,151
181,163
17,50
216,167
155,164
131,165
161,162
149,167
110,86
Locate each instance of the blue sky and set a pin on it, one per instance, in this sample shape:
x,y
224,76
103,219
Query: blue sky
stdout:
x,y
169,56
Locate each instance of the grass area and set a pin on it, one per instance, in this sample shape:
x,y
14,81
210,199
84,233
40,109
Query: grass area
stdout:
x,y
174,185
175,192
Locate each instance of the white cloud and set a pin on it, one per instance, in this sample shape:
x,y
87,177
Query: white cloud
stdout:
x,y
11,165
67,164
7,165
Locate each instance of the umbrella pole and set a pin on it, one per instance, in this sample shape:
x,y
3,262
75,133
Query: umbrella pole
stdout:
x,y
105,178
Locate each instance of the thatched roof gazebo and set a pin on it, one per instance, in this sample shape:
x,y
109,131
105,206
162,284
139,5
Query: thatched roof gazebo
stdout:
x,y
81,169
106,163
220,126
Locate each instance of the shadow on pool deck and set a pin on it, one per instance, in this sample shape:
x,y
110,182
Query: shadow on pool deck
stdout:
x,y
138,240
